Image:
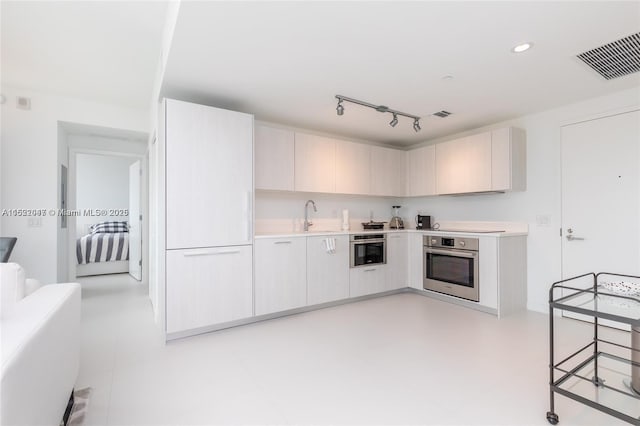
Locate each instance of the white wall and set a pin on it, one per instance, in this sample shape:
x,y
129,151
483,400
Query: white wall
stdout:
x,y
542,197
29,172
284,212
102,182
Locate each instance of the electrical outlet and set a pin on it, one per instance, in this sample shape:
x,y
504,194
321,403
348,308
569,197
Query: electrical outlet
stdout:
x,y
543,220
23,103
35,222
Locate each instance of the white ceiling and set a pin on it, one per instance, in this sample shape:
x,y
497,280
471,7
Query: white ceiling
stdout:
x,y
285,61
105,51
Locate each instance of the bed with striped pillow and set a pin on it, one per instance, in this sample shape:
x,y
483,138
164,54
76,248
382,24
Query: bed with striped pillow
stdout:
x,y
106,242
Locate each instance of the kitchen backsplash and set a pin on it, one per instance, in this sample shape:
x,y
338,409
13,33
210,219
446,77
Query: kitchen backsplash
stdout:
x,y
284,212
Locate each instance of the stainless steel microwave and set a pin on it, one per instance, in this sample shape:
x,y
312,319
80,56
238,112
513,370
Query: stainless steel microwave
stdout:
x,y
368,249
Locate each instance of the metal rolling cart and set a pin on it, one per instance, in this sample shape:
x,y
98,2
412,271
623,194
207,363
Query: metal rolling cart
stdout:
x,y
614,385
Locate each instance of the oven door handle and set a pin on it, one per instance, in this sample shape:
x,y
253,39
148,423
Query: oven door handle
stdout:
x,y
456,253
360,242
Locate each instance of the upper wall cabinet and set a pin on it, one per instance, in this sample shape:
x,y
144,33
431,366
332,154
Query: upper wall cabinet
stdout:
x,y
353,168
274,158
421,171
489,161
387,172
508,159
464,165
315,163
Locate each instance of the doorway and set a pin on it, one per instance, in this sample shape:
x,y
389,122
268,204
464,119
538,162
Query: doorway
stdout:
x,y
100,162
107,227
601,196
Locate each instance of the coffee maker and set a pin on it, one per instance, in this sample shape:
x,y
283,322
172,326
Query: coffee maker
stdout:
x,y
423,222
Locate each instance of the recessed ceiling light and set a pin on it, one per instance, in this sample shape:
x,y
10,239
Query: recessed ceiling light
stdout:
x,y
522,47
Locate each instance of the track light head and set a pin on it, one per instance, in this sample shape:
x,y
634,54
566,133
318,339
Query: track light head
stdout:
x,y
379,108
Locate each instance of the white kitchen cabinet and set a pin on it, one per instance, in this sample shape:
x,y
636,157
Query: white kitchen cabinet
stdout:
x,y
488,270
327,273
488,161
464,165
503,273
416,246
388,172
478,161
421,171
280,274
208,286
209,176
353,168
367,280
397,261
315,163
274,158
508,159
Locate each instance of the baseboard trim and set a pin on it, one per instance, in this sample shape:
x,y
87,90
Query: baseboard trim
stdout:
x,y
282,314
455,300
276,315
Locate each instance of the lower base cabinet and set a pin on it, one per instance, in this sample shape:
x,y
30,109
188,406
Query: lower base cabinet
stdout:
x,y
397,262
415,247
208,286
367,280
327,273
281,274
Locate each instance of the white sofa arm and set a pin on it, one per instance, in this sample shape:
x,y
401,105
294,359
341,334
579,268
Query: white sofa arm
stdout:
x,y
31,285
40,356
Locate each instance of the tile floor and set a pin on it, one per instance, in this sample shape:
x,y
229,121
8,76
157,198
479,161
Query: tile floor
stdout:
x,y
401,359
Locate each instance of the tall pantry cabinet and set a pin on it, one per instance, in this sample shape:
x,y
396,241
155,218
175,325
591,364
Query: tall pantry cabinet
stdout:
x,y
208,183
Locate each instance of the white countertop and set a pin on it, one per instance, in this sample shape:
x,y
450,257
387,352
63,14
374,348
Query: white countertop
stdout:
x,y
315,233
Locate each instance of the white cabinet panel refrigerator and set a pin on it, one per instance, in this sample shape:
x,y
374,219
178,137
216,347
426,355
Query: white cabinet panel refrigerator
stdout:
x,y
209,216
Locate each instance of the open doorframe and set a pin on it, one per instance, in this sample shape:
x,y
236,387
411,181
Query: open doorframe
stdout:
x,y
72,205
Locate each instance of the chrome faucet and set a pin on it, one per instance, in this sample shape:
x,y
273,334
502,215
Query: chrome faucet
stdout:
x,y
307,224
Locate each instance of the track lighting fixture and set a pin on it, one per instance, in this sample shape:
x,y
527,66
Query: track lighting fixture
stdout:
x,y
379,108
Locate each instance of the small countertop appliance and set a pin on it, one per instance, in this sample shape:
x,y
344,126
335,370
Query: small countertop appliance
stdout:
x,y
396,221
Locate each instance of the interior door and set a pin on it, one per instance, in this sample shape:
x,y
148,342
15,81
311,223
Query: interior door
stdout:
x,y
135,228
601,196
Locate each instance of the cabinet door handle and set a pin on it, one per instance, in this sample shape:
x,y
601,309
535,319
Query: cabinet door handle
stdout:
x,y
282,242
209,253
369,270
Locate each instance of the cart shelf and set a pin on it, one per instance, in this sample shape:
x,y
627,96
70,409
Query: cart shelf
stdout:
x,y
594,377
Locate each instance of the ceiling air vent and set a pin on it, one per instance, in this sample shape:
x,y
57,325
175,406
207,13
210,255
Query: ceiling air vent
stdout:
x,y
442,114
615,59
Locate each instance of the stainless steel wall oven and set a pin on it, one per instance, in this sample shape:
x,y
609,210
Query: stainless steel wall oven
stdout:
x,y
368,249
450,266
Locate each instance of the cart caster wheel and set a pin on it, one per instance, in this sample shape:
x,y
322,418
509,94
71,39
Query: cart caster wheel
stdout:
x,y
552,418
